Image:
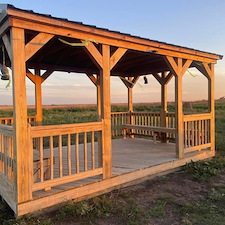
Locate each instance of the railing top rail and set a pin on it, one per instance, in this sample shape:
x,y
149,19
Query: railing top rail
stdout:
x,y
113,113
51,130
135,112
11,117
199,116
6,130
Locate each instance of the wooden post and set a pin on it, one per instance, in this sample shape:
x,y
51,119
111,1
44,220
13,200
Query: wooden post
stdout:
x,y
99,119
179,117
130,96
178,67
38,97
211,106
22,151
106,112
163,118
130,105
208,70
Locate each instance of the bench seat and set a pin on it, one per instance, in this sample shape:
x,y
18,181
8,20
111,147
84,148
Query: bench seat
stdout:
x,y
156,130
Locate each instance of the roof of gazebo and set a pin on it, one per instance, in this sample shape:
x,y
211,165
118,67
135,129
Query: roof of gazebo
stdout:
x,y
144,56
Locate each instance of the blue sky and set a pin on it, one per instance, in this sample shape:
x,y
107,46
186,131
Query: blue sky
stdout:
x,y
196,24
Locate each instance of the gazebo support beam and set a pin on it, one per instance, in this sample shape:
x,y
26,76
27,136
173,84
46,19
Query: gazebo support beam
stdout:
x,y
163,80
163,118
130,97
178,67
38,97
106,112
24,156
96,81
105,63
37,79
209,68
36,44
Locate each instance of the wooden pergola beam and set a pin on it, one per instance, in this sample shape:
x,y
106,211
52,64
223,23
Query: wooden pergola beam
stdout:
x,y
61,68
95,54
117,55
178,67
36,44
93,79
22,146
7,44
129,82
106,112
112,39
164,79
46,74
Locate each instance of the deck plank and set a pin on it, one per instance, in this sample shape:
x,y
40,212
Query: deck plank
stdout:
x,y
127,155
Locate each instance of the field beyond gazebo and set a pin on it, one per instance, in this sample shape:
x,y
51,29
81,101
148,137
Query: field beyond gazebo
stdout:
x,y
176,198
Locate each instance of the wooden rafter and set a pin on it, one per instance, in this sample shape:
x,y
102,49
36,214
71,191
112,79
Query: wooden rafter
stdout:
x,y
209,69
128,82
96,55
168,77
163,79
112,39
46,74
7,45
177,66
158,77
36,44
4,27
94,79
34,77
117,56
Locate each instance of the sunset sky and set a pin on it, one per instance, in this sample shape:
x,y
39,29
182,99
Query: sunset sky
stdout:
x,y
190,23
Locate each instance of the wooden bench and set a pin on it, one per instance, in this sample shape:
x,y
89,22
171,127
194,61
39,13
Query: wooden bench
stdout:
x,y
157,131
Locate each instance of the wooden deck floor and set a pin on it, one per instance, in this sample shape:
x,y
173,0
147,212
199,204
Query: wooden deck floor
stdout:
x,y
137,153
128,155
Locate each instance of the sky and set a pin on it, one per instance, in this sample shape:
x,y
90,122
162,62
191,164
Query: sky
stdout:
x,y
197,24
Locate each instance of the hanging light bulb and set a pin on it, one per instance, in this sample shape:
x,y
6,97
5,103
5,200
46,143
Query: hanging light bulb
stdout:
x,y
4,72
145,80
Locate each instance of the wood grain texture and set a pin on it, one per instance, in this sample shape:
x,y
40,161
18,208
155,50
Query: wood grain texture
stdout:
x,y
22,152
106,112
36,44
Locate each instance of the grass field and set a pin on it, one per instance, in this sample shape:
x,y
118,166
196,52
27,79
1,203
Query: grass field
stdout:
x,y
205,180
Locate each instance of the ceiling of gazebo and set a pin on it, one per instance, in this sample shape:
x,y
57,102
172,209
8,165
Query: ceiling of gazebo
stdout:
x,y
63,57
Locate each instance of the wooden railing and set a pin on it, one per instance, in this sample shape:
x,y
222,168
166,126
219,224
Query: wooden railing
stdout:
x,y
117,120
196,132
140,118
9,120
145,119
7,161
59,156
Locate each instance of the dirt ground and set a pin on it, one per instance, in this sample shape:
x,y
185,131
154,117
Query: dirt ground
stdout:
x,y
173,199
174,191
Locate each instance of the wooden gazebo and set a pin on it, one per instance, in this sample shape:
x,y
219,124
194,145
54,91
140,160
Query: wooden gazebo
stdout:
x,y
39,167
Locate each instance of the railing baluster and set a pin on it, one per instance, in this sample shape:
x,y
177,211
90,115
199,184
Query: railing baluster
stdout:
x,y
11,176
41,160
85,152
93,149
51,157
77,153
60,156
69,154
5,156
